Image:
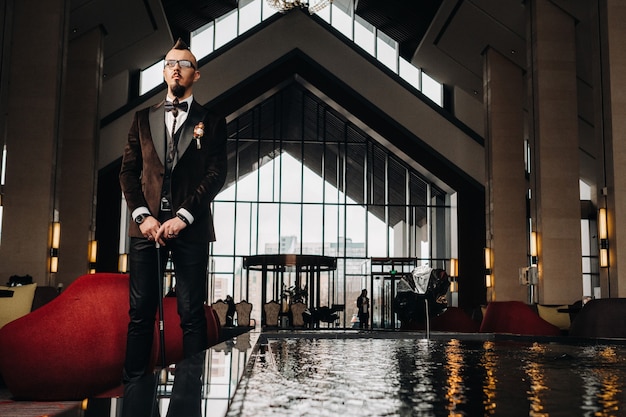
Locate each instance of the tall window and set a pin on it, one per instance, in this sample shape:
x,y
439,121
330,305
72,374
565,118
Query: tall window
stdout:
x,y
590,244
303,180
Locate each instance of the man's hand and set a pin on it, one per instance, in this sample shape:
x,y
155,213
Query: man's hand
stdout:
x,y
150,227
169,230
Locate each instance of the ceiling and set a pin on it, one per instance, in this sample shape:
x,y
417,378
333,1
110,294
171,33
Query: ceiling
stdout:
x,y
445,38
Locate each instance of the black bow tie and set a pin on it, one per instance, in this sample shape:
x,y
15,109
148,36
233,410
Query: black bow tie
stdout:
x,y
169,106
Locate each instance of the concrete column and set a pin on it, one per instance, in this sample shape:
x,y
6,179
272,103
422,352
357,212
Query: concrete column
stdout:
x,y
613,64
555,123
506,186
36,62
78,159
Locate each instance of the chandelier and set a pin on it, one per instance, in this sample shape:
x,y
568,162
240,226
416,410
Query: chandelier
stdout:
x,y
314,6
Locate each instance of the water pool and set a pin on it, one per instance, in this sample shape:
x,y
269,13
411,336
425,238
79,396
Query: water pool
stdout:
x,y
401,376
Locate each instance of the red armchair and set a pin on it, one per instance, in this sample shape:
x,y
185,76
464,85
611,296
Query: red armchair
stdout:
x,y
517,318
74,346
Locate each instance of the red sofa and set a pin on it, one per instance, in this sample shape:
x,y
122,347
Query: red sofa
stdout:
x,y
74,346
515,317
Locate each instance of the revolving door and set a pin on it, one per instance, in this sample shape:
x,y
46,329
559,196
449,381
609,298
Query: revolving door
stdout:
x,y
289,279
386,273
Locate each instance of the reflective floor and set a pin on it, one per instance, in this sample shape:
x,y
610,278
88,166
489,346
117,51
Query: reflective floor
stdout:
x,y
369,376
350,373
200,386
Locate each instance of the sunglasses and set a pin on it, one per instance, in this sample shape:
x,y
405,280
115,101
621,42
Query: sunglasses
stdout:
x,y
184,63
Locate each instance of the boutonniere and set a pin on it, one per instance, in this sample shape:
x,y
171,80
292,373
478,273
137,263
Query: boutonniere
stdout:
x,y
198,132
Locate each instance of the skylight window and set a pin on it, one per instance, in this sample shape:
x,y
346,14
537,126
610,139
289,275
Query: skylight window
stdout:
x,y
340,15
225,29
432,89
266,10
151,77
365,35
249,14
202,41
341,20
410,73
324,14
387,51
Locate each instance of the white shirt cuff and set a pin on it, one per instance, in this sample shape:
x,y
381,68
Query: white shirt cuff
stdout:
x,y
140,210
186,215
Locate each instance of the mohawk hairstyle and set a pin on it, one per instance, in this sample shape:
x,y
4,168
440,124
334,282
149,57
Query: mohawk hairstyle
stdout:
x,y
180,45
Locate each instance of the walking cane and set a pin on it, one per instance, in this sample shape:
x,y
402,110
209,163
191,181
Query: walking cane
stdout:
x,y
161,319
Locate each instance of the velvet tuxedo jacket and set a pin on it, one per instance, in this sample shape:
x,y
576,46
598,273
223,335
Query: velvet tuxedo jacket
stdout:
x,y
197,175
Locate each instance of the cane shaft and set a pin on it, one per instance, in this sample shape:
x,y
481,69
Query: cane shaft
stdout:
x,y
161,319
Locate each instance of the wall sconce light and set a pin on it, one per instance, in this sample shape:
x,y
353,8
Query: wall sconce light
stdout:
x,y
92,255
54,264
603,236
604,257
488,268
122,263
602,227
488,259
533,248
454,273
56,235
93,251
55,240
454,267
454,284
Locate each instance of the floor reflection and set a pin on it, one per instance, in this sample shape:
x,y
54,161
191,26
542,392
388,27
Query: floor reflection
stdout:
x,y
199,386
372,374
418,377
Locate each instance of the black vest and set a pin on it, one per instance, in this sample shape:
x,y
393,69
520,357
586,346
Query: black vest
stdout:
x,y
166,190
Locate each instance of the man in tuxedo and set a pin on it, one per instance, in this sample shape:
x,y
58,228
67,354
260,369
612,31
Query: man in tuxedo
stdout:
x,y
173,166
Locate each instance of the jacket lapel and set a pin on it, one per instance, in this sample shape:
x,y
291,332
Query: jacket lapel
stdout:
x,y
157,128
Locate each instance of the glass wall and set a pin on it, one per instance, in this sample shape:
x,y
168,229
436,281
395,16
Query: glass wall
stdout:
x,y
303,180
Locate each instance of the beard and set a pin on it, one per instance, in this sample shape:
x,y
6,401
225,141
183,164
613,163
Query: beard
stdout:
x,y
178,90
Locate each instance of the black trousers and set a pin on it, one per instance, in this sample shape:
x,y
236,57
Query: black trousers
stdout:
x,y
190,268
142,400
364,319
